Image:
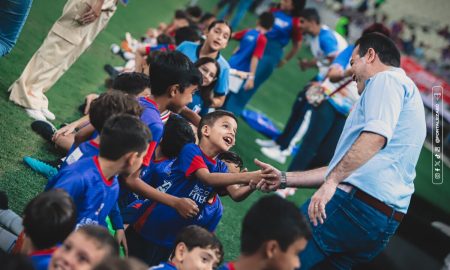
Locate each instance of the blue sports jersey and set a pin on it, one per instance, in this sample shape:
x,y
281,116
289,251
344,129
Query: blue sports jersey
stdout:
x,y
285,28
85,149
41,258
252,44
152,118
227,266
163,266
158,173
197,103
211,214
93,194
343,58
192,50
159,223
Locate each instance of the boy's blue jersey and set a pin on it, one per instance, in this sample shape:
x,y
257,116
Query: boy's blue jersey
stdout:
x,y
152,118
85,149
41,258
285,28
158,174
192,50
163,266
93,194
343,58
227,266
197,103
159,223
252,44
211,214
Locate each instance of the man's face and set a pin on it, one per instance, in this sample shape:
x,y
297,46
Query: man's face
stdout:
x,y
289,259
359,67
222,133
199,259
78,252
179,99
217,38
305,25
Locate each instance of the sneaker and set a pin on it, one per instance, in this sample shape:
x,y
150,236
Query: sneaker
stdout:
x,y
115,49
48,114
112,72
266,143
40,167
36,114
3,200
43,128
275,153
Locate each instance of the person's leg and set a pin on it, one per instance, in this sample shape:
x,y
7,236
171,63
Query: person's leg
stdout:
x,y
7,240
13,14
322,119
242,8
11,221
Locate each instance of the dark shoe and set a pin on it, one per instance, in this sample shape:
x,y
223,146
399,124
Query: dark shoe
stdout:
x,y
112,72
3,200
43,128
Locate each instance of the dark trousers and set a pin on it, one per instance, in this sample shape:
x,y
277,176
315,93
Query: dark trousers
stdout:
x,y
320,140
144,250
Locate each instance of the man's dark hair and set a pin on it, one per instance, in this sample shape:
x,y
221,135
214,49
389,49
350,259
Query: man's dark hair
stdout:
x,y
49,218
211,26
103,237
171,68
311,15
177,133
110,103
132,83
299,5
180,14
377,27
205,91
272,218
232,157
195,12
206,16
266,20
195,236
164,39
383,46
211,118
187,33
123,134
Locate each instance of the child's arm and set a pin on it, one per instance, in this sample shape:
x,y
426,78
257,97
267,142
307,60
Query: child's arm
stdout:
x,y
251,79
70,128
185,207
140,53
191,116
239,193
226,179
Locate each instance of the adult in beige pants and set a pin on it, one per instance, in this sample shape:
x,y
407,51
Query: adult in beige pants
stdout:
x,y
79,24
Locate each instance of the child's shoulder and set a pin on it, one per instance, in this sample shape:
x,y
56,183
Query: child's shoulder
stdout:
x,y
163,266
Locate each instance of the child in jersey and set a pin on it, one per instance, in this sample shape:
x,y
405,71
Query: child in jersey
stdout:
x,y
273,233
195,248
48,219
217,37
92,182
84,249
195,174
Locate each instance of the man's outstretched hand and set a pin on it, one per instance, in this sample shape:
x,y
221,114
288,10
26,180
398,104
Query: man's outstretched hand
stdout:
x,y
271,177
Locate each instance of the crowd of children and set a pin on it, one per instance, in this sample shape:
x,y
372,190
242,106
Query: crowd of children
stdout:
x,y
151,155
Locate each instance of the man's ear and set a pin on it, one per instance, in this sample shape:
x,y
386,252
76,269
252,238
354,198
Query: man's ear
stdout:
x,y
174,90
371,55
271,248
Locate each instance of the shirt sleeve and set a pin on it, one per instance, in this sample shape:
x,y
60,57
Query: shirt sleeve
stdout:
x,y
297,35
260,46
343,58
116,218
382,103
191,159
328,43
239,35
71,182
221,88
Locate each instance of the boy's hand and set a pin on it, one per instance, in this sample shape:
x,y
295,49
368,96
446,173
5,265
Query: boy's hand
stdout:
x,y
186,207
249,84
64,131
89,99
122,240
271,176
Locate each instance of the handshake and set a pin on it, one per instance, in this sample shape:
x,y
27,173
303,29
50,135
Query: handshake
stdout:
x,y
267,179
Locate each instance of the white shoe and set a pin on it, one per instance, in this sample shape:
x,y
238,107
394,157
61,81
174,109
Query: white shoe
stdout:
x,y
266,143
36,114
48,114
115,49
275,153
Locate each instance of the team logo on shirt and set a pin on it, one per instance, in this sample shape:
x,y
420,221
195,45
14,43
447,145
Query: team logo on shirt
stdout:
x,y
279,22
199,194
165,186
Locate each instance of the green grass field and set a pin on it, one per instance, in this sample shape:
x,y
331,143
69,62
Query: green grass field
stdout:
x,y
86,75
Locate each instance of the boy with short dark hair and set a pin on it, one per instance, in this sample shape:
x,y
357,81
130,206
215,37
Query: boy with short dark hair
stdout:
x,y
92,182
195,248
273,234
84,249
217,37
195,175
47,220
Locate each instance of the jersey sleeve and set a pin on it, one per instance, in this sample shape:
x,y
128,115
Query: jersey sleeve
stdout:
x,y
69,181
157,131
239,35
343,58
328,43
116,218
260,46
297,35
191,159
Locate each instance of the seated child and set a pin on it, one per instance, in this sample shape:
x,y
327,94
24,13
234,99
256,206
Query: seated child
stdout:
x,y
195,175
273,233
84,249
195,248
